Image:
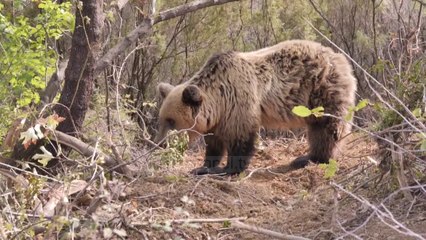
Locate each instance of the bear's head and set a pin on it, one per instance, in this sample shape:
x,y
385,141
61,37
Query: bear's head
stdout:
x,y
180,110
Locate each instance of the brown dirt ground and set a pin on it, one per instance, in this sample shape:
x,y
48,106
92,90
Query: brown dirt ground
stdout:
x,y
301,202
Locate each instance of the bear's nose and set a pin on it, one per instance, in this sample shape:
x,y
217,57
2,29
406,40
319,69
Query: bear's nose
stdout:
x,y
160,141
162,144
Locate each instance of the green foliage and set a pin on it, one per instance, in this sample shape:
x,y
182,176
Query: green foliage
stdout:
x,y
318,111
361,104
388,117
174,152
330,169
423,144
380,66
363,39
303,111
417,112
226,224
28,55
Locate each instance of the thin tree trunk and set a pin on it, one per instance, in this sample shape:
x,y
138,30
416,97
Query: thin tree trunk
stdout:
x,y
79,75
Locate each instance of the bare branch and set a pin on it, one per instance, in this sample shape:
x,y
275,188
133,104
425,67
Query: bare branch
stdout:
x,y
187,8
421,2
317,10
384,215
146,26
143,29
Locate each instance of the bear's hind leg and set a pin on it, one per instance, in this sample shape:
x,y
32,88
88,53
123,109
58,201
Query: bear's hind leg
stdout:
x,y
239,154
322,138
215,150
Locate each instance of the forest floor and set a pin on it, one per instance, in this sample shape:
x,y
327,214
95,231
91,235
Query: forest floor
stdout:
x,y
172,204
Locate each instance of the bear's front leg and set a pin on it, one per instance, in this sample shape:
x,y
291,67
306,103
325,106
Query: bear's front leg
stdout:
x,y
215,150
240,153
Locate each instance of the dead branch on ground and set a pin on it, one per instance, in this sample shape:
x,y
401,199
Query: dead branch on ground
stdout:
x,y
266,232
89,151
236,223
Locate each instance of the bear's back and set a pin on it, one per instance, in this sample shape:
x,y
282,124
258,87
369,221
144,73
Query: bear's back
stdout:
x,y
305,47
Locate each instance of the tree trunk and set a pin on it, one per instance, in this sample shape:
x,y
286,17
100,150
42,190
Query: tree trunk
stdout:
x,y
79,74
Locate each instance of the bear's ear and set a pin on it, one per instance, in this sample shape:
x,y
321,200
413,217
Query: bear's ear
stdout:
x,y
191,96
163,89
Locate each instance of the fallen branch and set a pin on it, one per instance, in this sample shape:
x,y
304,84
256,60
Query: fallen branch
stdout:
x,y
207,220
235,222
256,229
88,151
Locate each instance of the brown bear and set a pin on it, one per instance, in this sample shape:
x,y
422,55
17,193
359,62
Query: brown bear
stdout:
x,y
235,93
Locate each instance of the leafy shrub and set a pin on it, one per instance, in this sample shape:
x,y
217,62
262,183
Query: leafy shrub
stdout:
x,y
28,54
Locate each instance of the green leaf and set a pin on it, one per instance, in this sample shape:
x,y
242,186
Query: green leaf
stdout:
x,y
417,112
349,116
44,158
302,111
361,104
226,224
318,111
423,145
330,169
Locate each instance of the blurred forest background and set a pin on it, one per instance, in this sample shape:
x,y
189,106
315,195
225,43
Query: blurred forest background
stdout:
x,y
109,67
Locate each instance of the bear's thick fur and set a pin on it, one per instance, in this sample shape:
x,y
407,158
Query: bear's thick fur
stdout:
x,y
235,93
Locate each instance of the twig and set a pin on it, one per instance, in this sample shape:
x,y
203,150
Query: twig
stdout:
x,y
267,232
322,15
411,206
37,229
141,232
421,2
196,185
261,170
207,220
384,215
6,166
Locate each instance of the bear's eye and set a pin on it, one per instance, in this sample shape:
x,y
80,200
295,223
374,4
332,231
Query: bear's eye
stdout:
x,y
170,122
